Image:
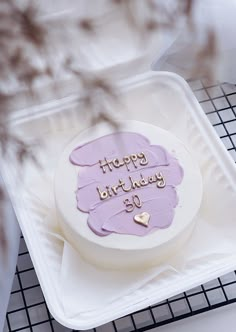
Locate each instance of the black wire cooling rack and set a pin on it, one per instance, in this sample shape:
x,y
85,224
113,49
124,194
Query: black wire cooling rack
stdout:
x,y
27,310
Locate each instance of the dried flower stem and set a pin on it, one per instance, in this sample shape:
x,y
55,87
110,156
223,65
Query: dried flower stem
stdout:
x,y
24,37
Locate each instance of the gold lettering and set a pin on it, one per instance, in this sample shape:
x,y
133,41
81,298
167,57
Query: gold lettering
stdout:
x,y
102,194
152,179
144,160
143,182
126,160
104,163
122,185
114,189
117,163
134,183
137,201
133,159
161,183
109,191
129,205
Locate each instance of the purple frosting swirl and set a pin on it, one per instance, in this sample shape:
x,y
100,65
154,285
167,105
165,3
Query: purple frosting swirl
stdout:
x,y
125,167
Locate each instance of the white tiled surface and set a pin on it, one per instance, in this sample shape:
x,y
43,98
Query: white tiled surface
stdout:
x,y
219,320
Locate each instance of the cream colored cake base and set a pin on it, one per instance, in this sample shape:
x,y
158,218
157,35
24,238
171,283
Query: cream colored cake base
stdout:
x,y
119,251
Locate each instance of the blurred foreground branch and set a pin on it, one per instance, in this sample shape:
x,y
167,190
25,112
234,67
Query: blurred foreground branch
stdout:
x,y
27,52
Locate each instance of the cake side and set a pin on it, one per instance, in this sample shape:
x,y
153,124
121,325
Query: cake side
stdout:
x,y
122,259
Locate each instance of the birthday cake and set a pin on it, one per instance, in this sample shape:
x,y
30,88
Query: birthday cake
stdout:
x,y
127,197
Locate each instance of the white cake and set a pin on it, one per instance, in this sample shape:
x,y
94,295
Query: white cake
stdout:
x,y
111,211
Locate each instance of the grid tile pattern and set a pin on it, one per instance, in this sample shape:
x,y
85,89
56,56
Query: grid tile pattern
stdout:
x,y
27,310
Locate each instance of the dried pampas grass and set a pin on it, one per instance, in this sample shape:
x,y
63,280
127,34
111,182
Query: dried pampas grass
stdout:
x,y
24,34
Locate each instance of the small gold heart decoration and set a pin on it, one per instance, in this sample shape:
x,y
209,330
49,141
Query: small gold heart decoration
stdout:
x,y
142,218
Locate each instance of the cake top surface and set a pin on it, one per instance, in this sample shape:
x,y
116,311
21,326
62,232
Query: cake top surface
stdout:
x,y
139,184
125,184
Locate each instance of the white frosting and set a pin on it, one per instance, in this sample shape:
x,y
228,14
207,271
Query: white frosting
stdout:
x,y
127,251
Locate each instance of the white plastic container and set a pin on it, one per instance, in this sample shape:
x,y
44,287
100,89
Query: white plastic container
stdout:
x,y
162,99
